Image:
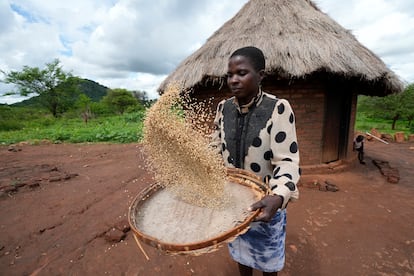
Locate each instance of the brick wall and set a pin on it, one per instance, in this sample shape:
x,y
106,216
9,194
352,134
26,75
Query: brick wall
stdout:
x,y
308,103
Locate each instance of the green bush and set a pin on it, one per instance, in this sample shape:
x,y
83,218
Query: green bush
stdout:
x,y
45,122
135,108
10,125
134,117
100,109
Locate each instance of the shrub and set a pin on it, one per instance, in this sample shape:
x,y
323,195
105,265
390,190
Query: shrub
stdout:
x,y
134,117
10,125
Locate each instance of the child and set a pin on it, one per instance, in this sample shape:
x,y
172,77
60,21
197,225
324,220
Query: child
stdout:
x,y
359,147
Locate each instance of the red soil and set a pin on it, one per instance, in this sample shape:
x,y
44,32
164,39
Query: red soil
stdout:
x,y
59,203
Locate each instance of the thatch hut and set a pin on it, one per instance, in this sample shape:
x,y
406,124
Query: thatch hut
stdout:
x,y
311,60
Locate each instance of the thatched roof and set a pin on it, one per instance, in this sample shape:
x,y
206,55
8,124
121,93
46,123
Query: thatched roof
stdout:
x,y
297,39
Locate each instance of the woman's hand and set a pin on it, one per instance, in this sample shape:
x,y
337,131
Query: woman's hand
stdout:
x,y
269,206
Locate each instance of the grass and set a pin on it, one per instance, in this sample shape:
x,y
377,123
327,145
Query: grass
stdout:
x,y
364,123
125,128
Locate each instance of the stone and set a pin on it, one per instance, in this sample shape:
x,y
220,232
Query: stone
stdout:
x,y
376,133
387,137
293,248
399,137
410,137
13,148
331,187
114,235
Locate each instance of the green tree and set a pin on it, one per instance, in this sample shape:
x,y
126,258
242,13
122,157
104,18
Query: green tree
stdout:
x,y
408,98
119,100
392,107
56,88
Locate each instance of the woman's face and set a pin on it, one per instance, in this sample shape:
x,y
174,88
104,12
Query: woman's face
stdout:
x,y
242,79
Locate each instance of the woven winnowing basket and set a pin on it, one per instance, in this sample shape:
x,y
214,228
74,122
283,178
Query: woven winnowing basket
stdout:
x,y
160,220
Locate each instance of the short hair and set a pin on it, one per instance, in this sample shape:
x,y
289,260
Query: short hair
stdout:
x,y
359,138
255,55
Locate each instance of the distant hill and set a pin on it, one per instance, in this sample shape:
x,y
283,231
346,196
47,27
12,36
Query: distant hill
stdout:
x,y
90,88
93,90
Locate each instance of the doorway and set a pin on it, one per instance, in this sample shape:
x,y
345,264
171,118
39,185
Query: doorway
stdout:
x,y
336,126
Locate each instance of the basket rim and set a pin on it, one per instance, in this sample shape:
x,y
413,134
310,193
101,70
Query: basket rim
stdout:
x,y
234,174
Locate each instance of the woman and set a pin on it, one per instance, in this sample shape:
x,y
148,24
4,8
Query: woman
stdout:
x,y
256,131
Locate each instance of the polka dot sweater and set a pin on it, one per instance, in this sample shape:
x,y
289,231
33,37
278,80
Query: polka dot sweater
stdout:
x,y
261,139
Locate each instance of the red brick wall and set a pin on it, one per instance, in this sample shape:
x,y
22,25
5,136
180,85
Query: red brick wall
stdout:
x,y
308,103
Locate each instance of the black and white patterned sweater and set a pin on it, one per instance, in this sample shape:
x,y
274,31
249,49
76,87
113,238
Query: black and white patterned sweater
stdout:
x,y
260,138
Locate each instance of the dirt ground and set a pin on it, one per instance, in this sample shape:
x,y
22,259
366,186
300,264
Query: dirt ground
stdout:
x,y
60,203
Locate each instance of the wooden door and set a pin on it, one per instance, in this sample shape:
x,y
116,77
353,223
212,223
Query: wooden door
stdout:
x,y
336,127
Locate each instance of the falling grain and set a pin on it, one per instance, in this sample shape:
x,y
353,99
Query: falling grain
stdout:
x,y
177,150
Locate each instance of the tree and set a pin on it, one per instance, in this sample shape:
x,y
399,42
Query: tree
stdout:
x,y
120,99
408,98
56,88
392,107
142,97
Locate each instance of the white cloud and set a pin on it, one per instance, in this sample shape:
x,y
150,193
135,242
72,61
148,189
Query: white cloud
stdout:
x,y
385,27
135,44
142,37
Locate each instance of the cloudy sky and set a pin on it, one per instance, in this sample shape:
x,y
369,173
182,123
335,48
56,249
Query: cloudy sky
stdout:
x,y
135,44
